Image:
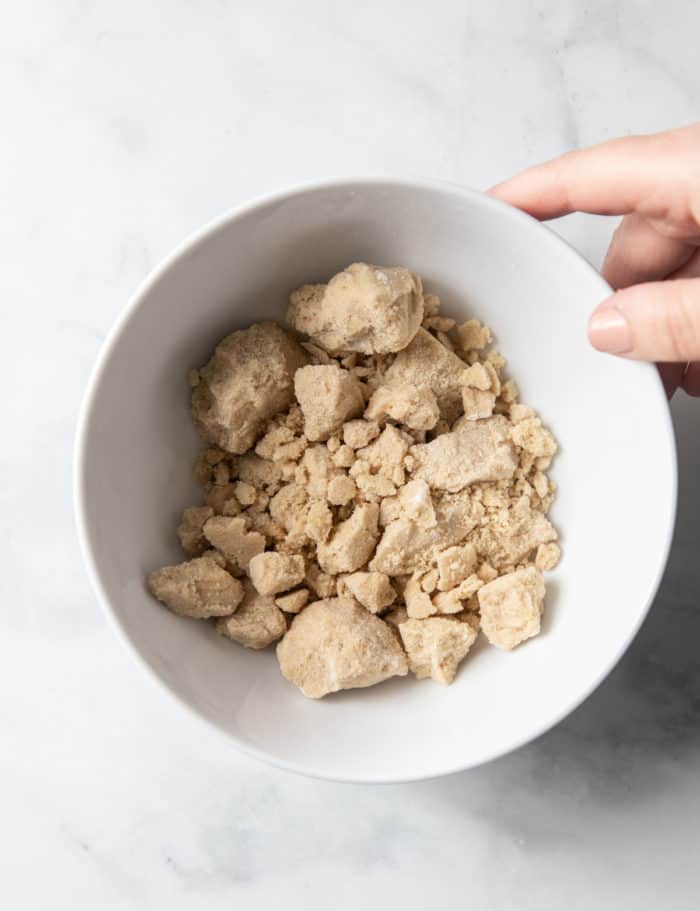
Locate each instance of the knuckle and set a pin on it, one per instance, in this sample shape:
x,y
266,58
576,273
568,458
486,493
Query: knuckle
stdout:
x,y
694,207
562,168
682,323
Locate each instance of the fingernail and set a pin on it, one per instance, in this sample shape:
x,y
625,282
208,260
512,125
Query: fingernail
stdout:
x,y
608,330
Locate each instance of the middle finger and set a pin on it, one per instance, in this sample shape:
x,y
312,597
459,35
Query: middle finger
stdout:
x,y
638,253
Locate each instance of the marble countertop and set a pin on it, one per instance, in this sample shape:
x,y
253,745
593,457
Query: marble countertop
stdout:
x,y
125,127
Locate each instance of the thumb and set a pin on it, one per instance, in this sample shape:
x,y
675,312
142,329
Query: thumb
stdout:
x,y
658,321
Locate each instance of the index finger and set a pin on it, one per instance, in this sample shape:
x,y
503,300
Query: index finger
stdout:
x,y
612,178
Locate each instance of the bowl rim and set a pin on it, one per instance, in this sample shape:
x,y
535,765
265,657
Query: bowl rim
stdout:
x,y
199,237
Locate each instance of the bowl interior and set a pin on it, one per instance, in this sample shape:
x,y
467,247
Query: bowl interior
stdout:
x,y
616,472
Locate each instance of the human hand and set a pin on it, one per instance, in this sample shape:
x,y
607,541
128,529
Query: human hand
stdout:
x,y
654,181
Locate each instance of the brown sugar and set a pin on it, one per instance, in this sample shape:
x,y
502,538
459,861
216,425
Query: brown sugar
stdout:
x,y
374,494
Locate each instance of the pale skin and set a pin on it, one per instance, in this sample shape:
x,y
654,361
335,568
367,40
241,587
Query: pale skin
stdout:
x,y
653,261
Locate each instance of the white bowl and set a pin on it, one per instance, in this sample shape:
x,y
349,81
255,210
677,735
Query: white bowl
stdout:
x,y
616,472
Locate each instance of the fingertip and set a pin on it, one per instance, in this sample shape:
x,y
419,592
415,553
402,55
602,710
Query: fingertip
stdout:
x,y
662,322
609,330
536,190
507,193
511,193
497,190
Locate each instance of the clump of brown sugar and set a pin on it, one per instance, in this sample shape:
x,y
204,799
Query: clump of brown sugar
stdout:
x,y
374,494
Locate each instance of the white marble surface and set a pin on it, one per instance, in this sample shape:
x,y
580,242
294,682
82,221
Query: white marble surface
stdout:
x,y
126,126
